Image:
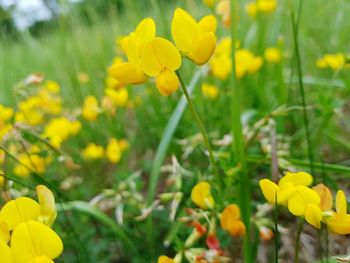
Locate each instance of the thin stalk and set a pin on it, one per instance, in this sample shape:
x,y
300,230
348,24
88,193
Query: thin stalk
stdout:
x,y
238,142
201,127
295,29
297,241
276,229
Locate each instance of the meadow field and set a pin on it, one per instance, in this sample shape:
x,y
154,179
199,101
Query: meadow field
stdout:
x,y
204,131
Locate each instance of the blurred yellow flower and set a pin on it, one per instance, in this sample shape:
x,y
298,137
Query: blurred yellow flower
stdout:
x,y
160,59
223,9
247,63
261,6
210,91
195,40
113,151
272,55
83,77
201,195
60,129
231,220
165,259
93,152
90,109
334,61
33,161
119,98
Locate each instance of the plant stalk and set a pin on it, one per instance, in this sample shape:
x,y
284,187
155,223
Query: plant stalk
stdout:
x,y
238,142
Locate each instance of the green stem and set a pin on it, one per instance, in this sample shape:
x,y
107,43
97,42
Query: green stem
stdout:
x,y
201,128
295,29
238,142
297,241
276,229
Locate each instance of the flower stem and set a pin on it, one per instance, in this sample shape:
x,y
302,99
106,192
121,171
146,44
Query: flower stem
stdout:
x,y
276,229
297,241
238,142
295,29
201,127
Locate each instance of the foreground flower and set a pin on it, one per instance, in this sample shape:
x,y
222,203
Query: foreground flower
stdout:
x,y
339,222
132,45
195,40
160,59
201,195
165,259
231,220
35,242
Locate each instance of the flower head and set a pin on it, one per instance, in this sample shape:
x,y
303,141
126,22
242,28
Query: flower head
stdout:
x,y
201,195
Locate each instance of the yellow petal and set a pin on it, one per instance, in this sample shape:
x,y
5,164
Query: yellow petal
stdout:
x,y
201,195
5,252
160,54
203,48
301,198
145,31
184,30
299,178
165,259
230,214
48,210
325,195
18,211
4,232
42,259
127,73
33,239
339,223
167,82
208,24
340,202
269,190
313,215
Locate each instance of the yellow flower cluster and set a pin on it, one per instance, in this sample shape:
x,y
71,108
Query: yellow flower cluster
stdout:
x,y
34,108
113,151
152,56
25,229
245,61
314,204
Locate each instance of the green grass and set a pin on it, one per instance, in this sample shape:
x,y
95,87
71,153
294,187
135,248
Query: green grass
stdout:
x,y
154,128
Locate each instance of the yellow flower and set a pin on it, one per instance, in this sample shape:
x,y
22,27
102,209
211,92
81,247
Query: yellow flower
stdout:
x,y
52,86
160,59
132,45
35,242
4,232
90,109
266,6
165,259
291,191
339,222
201,195
252,9
60,129
325,196
119,97
34,162
334,61
83,77
246,63
272,55
195,40
113,83
93,152
209,91
6,113
48,212
231,220
113,151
